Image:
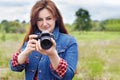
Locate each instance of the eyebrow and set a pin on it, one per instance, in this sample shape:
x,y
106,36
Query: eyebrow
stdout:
x,y
45,17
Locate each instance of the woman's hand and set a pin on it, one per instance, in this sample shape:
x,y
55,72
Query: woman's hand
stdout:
x,y
51,51
31,46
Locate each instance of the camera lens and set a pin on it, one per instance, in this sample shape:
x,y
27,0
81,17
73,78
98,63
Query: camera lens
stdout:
x,y
45,41
46,44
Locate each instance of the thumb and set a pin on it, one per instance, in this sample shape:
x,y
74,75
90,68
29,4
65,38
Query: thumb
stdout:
x,y
53,42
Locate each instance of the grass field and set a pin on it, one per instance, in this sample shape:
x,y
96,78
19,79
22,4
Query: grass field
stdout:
x,y
99,55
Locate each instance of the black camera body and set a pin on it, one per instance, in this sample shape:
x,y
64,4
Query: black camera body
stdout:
x,y
45,39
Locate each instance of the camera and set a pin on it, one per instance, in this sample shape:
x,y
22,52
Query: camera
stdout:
x,y
45,39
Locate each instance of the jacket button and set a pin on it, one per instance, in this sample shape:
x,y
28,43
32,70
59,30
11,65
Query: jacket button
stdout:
x,y
42,58
40,71
36,57
33,71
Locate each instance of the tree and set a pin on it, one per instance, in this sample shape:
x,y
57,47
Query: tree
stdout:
x,y
4,26
23,22
111,24
12,26
83,21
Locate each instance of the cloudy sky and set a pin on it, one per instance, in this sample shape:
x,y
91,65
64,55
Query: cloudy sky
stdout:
x,y
98,9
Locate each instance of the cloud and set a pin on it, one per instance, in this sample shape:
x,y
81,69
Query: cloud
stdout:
x,y
15,9
12,3
98,9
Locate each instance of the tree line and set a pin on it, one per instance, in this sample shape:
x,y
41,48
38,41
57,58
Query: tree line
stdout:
x,y
83,22
13,26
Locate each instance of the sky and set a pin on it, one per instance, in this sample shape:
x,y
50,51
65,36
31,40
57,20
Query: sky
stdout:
x,y
98,9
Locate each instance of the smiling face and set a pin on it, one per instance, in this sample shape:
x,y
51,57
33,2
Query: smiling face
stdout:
x,y
46,21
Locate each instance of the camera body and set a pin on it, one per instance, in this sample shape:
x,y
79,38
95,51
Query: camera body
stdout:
x,y
45,39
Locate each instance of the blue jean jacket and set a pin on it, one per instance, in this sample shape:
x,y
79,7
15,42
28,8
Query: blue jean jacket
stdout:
x,y
67,49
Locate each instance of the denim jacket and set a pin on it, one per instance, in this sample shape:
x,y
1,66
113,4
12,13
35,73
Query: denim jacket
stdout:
x,y
67,49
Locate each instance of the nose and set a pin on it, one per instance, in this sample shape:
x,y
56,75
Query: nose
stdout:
x,y
44,23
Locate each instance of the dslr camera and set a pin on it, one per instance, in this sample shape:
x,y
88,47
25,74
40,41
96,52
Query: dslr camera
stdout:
x,y
45,39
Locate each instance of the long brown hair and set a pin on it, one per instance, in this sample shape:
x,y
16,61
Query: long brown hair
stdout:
x,y
49,5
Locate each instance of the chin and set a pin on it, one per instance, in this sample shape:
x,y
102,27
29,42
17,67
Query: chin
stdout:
x,y
46,30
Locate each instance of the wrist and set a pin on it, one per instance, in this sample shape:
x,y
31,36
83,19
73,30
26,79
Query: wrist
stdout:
x,y
22,57
26,52
54,59
53,54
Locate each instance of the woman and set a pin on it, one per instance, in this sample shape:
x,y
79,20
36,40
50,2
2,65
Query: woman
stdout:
x,y
56,63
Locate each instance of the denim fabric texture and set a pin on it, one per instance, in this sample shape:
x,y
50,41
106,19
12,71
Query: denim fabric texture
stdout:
x,y
67,49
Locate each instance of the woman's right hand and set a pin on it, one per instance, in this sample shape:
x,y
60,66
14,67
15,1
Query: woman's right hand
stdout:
x,y
31,46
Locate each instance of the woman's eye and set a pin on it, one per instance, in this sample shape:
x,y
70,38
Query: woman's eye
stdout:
x,y
49,18
39,20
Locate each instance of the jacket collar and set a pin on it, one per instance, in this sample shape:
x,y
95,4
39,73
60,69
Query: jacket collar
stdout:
x,y
56,33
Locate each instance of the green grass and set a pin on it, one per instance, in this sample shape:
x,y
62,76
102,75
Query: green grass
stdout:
x,y
11,37
93,36
98,55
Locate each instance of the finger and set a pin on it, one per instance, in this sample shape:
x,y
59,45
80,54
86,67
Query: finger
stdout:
x,y
33,45
33,36
39,44
33,48
53,42
32,41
